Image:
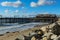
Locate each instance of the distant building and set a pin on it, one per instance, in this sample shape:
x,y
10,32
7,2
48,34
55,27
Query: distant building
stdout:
x,y
46,18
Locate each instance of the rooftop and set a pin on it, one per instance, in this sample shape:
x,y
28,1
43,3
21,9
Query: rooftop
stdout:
x,y
46,15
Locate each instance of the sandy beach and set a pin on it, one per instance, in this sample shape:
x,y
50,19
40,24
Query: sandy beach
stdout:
x,y
19,34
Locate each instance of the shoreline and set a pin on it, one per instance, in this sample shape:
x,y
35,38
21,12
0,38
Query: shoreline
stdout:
x,y
18,27
18,34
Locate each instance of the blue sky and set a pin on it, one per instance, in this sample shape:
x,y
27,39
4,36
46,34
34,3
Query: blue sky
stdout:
x,y
29,7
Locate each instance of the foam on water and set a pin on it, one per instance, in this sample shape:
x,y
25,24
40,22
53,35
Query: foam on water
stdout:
x,y
19,27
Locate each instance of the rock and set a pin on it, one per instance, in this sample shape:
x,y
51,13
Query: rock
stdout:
x,y
53,36
47,34
44,38
17,39
57,38
56,29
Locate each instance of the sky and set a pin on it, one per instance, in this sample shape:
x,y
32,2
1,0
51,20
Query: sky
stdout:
x,y
26,8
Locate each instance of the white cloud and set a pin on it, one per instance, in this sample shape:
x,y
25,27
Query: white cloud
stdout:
x,y
42,2
33,4
50,2
17,3
16,11
13,4
45,13
6,11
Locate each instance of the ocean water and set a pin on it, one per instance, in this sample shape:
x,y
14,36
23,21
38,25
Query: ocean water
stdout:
x,y
18,27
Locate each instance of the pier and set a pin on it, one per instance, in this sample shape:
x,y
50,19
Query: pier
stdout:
x,y
50,18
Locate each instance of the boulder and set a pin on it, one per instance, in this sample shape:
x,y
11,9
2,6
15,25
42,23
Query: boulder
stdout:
x,y
56,29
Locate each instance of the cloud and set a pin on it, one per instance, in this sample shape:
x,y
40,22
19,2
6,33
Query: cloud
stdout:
x,y
6,11
50,2
16,11
33,4
13,4
45,13
41,3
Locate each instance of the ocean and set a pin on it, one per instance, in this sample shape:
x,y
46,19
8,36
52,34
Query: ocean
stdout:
x,y
18,27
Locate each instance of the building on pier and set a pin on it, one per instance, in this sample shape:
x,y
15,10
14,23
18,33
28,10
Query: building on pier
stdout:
x,y
46,18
